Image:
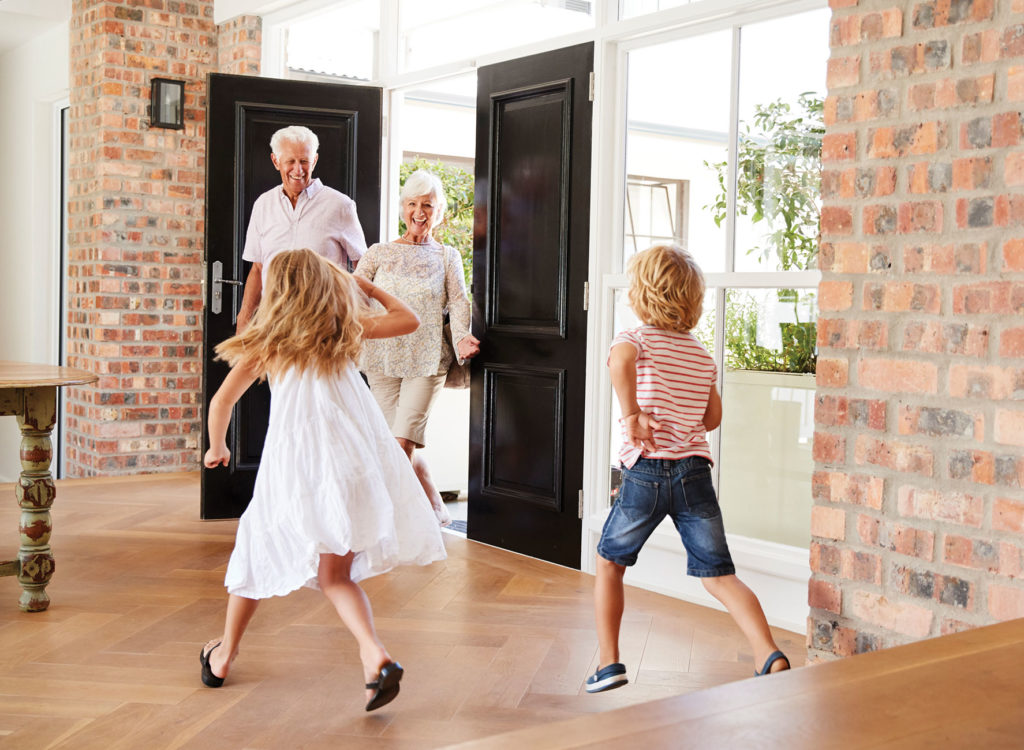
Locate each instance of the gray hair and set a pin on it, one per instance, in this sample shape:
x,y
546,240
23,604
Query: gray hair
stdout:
x,y
422,182
294,134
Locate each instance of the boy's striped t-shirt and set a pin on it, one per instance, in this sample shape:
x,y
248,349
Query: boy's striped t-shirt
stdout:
x,y
674,375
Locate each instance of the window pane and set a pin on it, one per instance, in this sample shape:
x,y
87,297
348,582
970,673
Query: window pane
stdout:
x,y
340,42
768,408
631,8
674,131
782,88
624,319
434,33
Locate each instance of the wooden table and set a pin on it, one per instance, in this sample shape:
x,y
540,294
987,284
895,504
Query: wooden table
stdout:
x,y
964,690
29,392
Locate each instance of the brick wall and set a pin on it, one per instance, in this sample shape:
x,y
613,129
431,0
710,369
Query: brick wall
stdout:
x,y
135,236
918,518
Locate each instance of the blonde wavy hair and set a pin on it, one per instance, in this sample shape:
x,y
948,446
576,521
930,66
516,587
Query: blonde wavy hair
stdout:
x,y
309,317
666,288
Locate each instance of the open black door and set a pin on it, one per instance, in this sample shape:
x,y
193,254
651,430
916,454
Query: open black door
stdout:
x,y
530,259
242,113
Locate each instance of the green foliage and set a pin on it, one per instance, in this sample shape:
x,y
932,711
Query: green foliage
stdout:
x,y
778,182
456,229
742,352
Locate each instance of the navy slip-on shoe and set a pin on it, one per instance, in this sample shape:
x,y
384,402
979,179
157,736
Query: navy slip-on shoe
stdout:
x,y
608,678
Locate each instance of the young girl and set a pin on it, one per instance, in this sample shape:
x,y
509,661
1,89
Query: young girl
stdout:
x,y
665,383
335,500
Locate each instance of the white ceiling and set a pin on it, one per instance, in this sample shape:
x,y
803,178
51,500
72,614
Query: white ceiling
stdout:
x,y
20,20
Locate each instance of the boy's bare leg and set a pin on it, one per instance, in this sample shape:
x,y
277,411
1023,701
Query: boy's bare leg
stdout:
x,y
609,601
240,611
746,610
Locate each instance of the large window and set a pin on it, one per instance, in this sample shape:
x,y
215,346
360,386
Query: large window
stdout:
x,y
730,122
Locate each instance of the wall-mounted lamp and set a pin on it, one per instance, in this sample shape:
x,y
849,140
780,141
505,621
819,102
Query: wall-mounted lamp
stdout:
x,y
167,103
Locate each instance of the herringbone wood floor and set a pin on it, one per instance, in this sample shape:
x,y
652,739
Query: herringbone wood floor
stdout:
x,y
491,641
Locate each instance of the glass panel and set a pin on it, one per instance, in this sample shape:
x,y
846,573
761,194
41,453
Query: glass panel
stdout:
x,y
782,88
624,319
631,8
768,422
437,132
771,330
672,134
434,33
341,42
766,463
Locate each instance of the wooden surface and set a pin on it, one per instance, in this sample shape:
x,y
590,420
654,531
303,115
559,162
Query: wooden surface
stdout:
x,y
491,641
25,375
959,691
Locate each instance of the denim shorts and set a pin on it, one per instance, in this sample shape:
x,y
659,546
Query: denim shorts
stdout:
x,y
680,488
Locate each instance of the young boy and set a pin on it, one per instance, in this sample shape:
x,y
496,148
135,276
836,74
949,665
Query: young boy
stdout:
x,y
665,382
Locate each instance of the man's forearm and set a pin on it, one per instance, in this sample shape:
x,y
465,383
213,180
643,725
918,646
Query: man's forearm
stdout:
x,y
250,297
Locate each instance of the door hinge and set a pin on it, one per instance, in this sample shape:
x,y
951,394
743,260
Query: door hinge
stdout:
x,y
591,85
586,295
580,509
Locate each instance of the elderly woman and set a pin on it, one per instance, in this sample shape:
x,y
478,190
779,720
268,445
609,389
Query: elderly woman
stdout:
x,y
406,373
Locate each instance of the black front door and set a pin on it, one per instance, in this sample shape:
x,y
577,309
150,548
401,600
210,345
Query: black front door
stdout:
x,y
531,249
242,113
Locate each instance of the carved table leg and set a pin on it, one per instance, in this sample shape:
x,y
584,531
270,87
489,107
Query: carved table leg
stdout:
x,y
35,494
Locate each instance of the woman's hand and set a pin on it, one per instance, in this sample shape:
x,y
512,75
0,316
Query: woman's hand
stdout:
x,y
217,455
468,346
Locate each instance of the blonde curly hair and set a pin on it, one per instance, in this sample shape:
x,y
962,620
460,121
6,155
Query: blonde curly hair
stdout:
x,y
666,288
309,317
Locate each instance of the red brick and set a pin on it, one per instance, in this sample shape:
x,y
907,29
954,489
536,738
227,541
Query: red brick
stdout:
x,y
920,216
864,567
952,507
828,448
828,523
824,595
1005,602
1008,515
836,220
1011,342
898,375
835,295
832,373
995,383
1009,427
895,455
900,617
1015,83
843,71
1013,255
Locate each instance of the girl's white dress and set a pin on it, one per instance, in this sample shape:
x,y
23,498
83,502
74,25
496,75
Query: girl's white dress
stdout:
x,y
332,479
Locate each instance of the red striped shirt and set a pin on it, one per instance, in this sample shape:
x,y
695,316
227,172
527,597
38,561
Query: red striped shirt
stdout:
x,y
674,375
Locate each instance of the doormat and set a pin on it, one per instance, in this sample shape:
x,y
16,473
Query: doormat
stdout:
x,y
456,526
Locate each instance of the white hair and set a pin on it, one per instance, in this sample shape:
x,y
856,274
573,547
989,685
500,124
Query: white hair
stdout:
x,y
294,134
422,182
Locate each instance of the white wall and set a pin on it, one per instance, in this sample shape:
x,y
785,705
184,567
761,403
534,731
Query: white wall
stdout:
x,y
33,77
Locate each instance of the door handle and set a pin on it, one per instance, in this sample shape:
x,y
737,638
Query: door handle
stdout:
x,y
216,280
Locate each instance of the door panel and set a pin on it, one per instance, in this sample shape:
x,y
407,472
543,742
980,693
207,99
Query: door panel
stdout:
x,y
242,113
531,249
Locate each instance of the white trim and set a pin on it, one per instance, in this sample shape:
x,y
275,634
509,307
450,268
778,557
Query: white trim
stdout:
x,y
57,242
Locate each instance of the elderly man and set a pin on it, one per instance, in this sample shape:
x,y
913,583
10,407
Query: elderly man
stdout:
x,y
303,212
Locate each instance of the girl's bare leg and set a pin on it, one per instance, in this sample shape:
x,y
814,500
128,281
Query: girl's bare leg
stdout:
x,y
240,611
353,607
746,611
